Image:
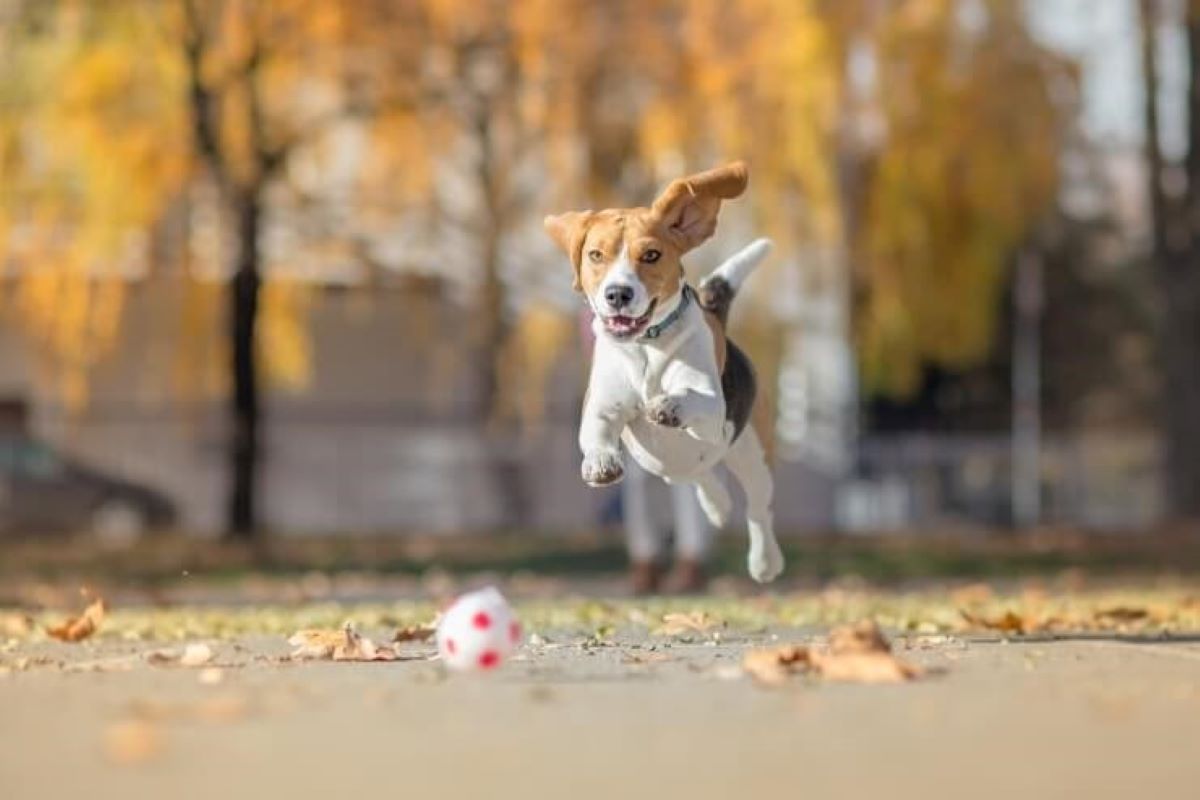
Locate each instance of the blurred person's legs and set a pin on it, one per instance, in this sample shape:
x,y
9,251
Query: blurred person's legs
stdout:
x,y
692,540
645,497
643,538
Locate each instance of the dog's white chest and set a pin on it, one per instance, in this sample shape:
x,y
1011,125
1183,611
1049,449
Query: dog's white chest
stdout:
x,y
651,372
644,368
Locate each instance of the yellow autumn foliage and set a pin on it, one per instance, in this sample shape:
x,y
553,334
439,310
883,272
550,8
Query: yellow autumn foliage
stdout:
x,y
97,150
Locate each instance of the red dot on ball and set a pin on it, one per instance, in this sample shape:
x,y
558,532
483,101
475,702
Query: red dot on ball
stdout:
x,y
451,646
489,659
514,631
482,621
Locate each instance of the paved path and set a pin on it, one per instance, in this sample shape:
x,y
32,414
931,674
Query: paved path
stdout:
x,y
1064,719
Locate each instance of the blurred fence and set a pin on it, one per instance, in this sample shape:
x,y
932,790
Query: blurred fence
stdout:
x,y
374,476
1107,482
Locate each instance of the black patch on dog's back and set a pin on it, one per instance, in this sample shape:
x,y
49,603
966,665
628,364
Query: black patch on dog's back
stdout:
x,y
739,385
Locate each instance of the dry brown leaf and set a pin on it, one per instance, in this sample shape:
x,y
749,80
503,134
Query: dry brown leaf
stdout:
x,y
1122,614
771,666
864,667
344,645
132,742
81,627
1009,622
693,622
860,653
856,653
14,624
357,647
861,637
415,633
315,643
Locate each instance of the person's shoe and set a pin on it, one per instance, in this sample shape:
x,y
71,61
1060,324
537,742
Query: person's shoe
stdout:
x,y
688,577
644,577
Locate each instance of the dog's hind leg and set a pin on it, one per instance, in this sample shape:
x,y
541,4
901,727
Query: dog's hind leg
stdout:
x,y
748,464
714,499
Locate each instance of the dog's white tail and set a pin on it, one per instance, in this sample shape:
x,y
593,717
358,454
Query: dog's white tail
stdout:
x,y
738,266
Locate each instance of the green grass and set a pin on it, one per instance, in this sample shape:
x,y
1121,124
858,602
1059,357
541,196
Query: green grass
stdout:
x,y
884,560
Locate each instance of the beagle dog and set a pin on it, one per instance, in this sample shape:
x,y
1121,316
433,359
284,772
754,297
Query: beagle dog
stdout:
x,y
666,381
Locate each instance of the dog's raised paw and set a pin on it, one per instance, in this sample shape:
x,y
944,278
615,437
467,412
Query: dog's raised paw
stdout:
x,y
664,410
765,561
602,469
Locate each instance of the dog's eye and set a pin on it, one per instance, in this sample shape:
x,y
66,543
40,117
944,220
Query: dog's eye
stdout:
x,y
595,256
650,256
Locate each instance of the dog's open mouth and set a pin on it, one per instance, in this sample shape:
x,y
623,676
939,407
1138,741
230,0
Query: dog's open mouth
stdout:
x,y
623,327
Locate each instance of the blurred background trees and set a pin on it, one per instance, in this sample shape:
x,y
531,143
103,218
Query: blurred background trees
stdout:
x,y
1174,190
258,152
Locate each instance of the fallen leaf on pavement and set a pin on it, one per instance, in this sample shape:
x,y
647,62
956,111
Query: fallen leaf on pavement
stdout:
x,y
693,622
132,742
860,653
856,653
771,666
357,647
314,643
344,645
881,667
861,637
1122,614
415,633
81,627
1009,622
13,624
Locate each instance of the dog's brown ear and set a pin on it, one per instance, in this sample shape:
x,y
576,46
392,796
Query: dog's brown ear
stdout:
x,y
569,230
688,208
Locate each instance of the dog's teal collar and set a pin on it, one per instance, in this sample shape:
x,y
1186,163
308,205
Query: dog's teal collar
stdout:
x,y
655,331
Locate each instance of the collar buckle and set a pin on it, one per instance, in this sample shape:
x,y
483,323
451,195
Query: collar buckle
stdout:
x,y
655,331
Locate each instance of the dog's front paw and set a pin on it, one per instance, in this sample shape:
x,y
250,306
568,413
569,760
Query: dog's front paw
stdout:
x,y
602,468
664,410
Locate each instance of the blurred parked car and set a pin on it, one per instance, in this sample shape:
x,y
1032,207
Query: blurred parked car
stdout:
x,y
43,491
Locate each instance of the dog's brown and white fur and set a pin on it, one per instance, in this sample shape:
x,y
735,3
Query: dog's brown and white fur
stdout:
x,y
666,398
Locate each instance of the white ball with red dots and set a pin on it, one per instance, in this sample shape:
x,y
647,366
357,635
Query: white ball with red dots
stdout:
x,y
478,632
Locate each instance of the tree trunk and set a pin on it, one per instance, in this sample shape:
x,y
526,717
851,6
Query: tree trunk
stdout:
x,y
1176,251
245,412
491,331
1180,354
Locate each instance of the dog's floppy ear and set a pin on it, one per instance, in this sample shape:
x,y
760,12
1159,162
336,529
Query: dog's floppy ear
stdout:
x,y
569,230
688,208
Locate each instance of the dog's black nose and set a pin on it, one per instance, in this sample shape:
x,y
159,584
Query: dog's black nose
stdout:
x,y
618,295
